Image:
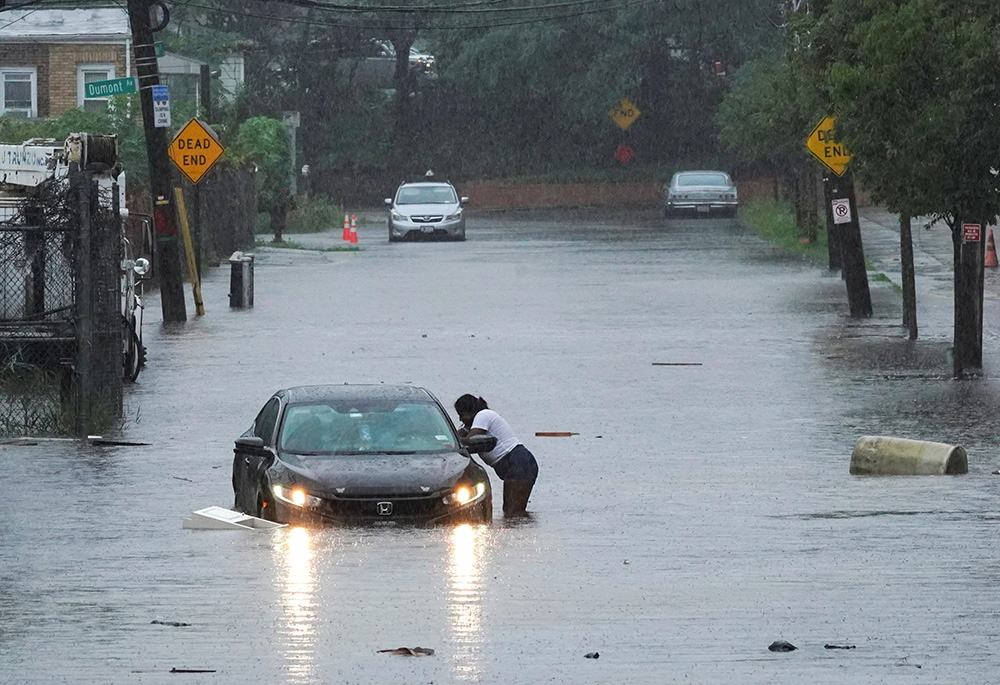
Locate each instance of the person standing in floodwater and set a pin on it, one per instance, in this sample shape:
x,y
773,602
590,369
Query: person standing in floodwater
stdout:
x,y
514,464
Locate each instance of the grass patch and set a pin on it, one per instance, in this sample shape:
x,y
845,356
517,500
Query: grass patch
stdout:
x,y
775,222
315,214
880,277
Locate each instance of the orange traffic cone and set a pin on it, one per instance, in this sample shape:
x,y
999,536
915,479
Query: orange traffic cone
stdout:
x,y
347,228
991,251
354,231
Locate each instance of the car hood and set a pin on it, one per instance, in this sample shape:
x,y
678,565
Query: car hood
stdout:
x,y
378,474
427,210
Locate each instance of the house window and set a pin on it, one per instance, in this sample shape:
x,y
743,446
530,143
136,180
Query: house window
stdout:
x,y
88,73
19,92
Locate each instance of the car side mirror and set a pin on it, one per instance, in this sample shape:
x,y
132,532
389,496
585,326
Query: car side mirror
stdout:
x,y
465,200
388,200
250,442
477,444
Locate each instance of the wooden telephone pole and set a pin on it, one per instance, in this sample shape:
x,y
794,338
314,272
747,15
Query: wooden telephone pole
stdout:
x,y
168,265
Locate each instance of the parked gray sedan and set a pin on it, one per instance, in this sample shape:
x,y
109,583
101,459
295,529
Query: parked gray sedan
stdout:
x,y
426,209
701,192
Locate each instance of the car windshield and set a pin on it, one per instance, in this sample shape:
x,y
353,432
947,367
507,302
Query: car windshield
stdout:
x,y
426,195
702,180
365,428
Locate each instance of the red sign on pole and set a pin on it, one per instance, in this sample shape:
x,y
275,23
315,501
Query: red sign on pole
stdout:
x,y
624,153
971,233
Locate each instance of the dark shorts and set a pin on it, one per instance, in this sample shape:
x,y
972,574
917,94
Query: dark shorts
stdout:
x,y
518,464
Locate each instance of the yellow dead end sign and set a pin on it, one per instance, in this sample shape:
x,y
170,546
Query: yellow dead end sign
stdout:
x,y
195,149
624,113
824,147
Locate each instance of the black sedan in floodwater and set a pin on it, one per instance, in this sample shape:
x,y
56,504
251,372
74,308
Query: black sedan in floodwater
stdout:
x,y
359,453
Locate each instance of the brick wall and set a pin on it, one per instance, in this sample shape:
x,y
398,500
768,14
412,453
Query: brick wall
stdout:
x,y
63,62
30,55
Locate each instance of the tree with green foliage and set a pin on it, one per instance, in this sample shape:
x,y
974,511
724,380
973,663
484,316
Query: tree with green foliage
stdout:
x,y
264,143
915,87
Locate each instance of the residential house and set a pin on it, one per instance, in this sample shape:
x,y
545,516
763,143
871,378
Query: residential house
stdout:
x,y
47,55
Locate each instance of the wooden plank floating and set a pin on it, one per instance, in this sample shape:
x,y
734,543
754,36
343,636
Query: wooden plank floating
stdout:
x,y
554,434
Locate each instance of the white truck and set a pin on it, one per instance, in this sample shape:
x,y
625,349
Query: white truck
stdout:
x,y
24,167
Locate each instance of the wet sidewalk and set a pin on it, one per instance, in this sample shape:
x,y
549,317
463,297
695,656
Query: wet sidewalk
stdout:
x,y
934,273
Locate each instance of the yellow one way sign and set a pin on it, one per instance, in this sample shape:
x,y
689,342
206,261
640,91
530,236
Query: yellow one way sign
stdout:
x,y
824,147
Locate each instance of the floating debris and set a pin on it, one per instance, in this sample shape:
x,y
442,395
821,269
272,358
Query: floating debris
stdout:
x,y
175,624
677,364
838,646
781,646
591,655
406,651
192,670
554,434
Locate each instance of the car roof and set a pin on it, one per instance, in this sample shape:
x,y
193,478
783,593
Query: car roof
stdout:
x,y
700,171
304,394
425,183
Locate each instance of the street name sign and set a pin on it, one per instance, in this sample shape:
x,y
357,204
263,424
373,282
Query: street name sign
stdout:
x,y
624,113
824,147
195,149
105,89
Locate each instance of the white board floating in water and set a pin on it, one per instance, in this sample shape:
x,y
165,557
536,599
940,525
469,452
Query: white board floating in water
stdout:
x,y
218,518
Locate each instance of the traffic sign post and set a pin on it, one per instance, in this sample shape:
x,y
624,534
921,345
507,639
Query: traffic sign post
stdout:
x,y
195,150
841,210
824,146
161,107
624,113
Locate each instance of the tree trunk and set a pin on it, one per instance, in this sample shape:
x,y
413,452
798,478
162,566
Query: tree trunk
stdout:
x,y
908,273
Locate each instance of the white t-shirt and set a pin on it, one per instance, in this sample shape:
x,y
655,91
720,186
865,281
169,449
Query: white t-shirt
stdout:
x,y
494,424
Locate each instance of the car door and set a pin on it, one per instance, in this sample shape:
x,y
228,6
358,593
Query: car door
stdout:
x,y
249,462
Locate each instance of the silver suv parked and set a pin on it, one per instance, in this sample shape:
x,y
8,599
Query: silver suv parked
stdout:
x,y
426,209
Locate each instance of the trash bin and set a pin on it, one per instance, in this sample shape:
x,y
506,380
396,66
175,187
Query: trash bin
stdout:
x,y
241,280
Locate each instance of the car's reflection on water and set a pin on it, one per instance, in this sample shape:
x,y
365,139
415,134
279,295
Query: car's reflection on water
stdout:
x,y
295,557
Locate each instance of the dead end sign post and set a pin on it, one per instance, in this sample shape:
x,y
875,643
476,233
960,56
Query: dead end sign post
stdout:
x,y
195,150
843,227
624,114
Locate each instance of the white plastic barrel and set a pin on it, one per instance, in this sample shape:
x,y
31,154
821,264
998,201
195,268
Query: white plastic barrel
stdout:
x,y
883,456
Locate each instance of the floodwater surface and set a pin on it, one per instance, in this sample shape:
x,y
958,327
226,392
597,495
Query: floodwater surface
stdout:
x,y
703,511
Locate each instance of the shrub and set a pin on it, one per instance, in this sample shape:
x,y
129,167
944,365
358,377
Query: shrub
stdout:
x,y
313,215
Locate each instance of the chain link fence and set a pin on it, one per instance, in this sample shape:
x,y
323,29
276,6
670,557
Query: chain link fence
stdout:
x,y
46,292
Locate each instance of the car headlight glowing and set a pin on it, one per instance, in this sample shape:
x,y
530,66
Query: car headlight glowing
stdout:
x,y
464,494
295,495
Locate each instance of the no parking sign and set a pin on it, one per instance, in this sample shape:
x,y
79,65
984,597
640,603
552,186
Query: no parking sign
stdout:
x,y
842,211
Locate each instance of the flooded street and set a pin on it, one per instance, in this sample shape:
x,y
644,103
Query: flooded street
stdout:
x,y
703,511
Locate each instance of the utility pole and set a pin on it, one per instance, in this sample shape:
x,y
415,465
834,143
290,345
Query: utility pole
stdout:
x,y
164,212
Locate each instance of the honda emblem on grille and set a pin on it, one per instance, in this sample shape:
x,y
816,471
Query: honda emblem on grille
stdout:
x,y
384,508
